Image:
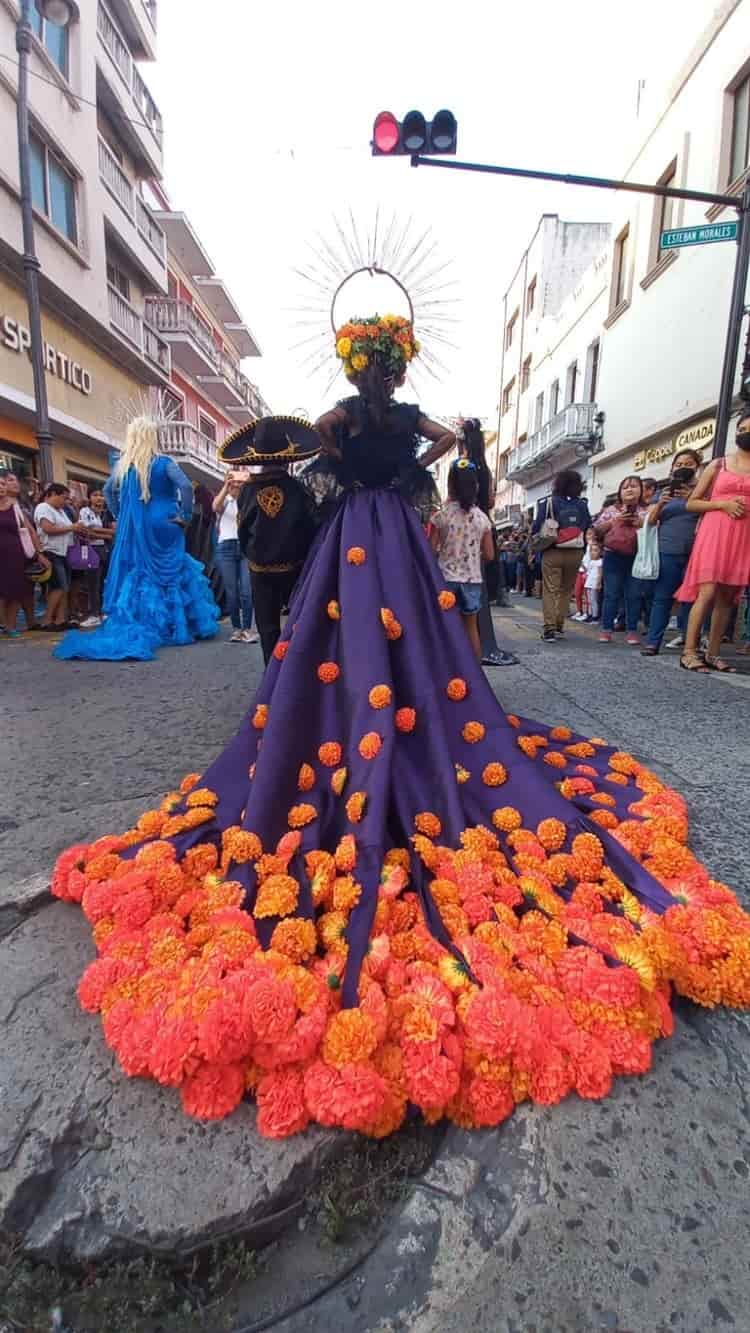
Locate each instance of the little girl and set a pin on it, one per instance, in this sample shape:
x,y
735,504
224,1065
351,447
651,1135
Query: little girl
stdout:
x,y
462,538
594,576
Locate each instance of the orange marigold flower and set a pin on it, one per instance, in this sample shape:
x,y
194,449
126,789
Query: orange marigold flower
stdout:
x,y
507,819
188,782
277,896
282,1110
605,819
346,893
332,929
380,696
583,750
457,689
446,600
621,762
462,774
173,826
454,973
494,775
260,717
151,823
512,720
328,672
281,650
213,1091
394,630
355,806
455,920
386,616
406,719
551,834
473,732
194,818
555,759
300,815
338,780
345,855
619,778
527,746
370,744
350,1039
428,824
561,733
306,778
295,938
603,798
356,555
398,856
201,860
333,610
330,754
202,797
240,846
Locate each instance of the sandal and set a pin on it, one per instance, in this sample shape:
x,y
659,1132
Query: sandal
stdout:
x,y
649,651
718,664
693,662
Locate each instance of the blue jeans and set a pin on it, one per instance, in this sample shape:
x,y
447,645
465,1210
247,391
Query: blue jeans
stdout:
x,y
235,576
671,573
619,586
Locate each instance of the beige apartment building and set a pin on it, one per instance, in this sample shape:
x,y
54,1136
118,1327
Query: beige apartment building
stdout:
x,y
96,138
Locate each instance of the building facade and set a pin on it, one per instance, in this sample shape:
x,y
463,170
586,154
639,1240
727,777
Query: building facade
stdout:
x,y
667,310
550,269
96,136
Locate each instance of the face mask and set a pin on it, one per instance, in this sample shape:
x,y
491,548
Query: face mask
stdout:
x,y
742,440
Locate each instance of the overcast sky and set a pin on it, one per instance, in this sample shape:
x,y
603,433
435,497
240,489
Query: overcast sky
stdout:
x,y
268,111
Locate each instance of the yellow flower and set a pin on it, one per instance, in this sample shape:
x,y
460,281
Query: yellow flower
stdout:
x,y
344,348
359,361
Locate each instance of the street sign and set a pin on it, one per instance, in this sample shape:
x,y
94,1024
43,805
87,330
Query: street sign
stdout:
x,y
717,231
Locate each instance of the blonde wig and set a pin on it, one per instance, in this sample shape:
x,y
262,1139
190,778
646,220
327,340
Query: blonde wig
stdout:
x,y
141,445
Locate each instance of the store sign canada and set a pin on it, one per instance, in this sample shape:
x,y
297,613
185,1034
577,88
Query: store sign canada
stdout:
x,y
16,338
693,437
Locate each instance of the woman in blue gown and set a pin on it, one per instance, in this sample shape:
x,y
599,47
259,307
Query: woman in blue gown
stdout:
x,y
155,592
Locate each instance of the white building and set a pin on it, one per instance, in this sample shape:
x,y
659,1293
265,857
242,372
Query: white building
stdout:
x,y
549,271
667,310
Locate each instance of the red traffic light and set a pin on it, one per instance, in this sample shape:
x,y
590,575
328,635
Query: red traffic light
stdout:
x,y
386,133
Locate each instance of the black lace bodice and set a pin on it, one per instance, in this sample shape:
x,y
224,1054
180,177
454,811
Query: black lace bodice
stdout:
x,y
371,457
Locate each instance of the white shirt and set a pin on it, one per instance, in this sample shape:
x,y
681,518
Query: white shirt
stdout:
x,y
460,550
55,542
92,520
594,573
228,520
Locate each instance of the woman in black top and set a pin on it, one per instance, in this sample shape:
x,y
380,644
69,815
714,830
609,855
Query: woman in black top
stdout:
x,y
473,447
560,561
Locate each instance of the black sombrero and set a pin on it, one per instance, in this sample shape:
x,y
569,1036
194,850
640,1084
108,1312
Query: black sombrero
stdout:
x,y
271,440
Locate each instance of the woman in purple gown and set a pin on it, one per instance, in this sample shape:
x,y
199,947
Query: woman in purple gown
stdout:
x,y
387,893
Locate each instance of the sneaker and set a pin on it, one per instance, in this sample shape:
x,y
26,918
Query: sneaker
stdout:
x,y
605,636
236,636
249,636
90,622
548,636
678,642
500,658
560,633
634,640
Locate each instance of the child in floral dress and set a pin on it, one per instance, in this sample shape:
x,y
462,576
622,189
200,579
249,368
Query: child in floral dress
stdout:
x,y
462,539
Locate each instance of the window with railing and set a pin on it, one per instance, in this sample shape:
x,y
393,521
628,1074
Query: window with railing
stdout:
x,y
53,189
55,39
118,278
114,43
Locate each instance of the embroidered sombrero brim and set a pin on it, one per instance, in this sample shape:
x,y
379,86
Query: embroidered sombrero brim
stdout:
x,y
270,440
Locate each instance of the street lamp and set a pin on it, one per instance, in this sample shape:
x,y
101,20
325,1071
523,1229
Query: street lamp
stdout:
x,y
60,13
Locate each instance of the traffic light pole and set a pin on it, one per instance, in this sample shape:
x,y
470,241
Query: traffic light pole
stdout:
x,y
739,285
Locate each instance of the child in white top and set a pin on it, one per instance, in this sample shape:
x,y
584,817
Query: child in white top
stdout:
x,y
594,577
462,538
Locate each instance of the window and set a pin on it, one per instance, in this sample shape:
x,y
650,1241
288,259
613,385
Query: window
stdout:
x,y
510,329
539,412
531,296
592,372
172,286
525,374
207,427
622,254
53,189
740,129
667,206
53,37
172,407
509,394
571,383
118,278
554,399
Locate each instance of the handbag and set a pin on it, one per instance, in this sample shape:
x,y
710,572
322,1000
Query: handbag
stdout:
x,y
646,563
622,539
547,534
82,555
24,536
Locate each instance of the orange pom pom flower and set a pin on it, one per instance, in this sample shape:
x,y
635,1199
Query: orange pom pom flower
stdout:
x,y
328,672
494,775
330,754
356,555
457,689
370,745
380,696
473,732
406,719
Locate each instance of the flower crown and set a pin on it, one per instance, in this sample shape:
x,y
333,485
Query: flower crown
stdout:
x,y
387,339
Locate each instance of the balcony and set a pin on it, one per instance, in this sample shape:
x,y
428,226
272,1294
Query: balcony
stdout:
x,y
123,94
196,453
137,21
574,425
138,334
129,218
193,348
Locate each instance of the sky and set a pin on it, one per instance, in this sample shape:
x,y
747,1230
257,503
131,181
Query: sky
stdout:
x,y
268,111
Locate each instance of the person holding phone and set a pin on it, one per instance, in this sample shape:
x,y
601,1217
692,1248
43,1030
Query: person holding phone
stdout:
x,y
617,527
676,537
234,569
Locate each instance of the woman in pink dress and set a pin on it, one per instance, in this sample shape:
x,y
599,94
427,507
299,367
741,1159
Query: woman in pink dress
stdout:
x,y
719,565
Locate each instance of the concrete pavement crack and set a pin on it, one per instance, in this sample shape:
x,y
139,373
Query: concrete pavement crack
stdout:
x,y
38,985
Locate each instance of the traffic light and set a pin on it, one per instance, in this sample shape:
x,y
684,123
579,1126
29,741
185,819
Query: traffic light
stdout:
x,y
414,135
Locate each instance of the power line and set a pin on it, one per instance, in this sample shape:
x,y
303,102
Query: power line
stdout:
x,y
143,124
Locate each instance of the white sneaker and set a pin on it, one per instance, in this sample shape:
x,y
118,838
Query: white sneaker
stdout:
x,y
91,622
678,642
236,636
249,636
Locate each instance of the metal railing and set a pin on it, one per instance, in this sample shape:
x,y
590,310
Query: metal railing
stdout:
x,y
574,423
116,46
169,315
180,437
150,7
156,350
115,178
150,229
147,106
138,332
